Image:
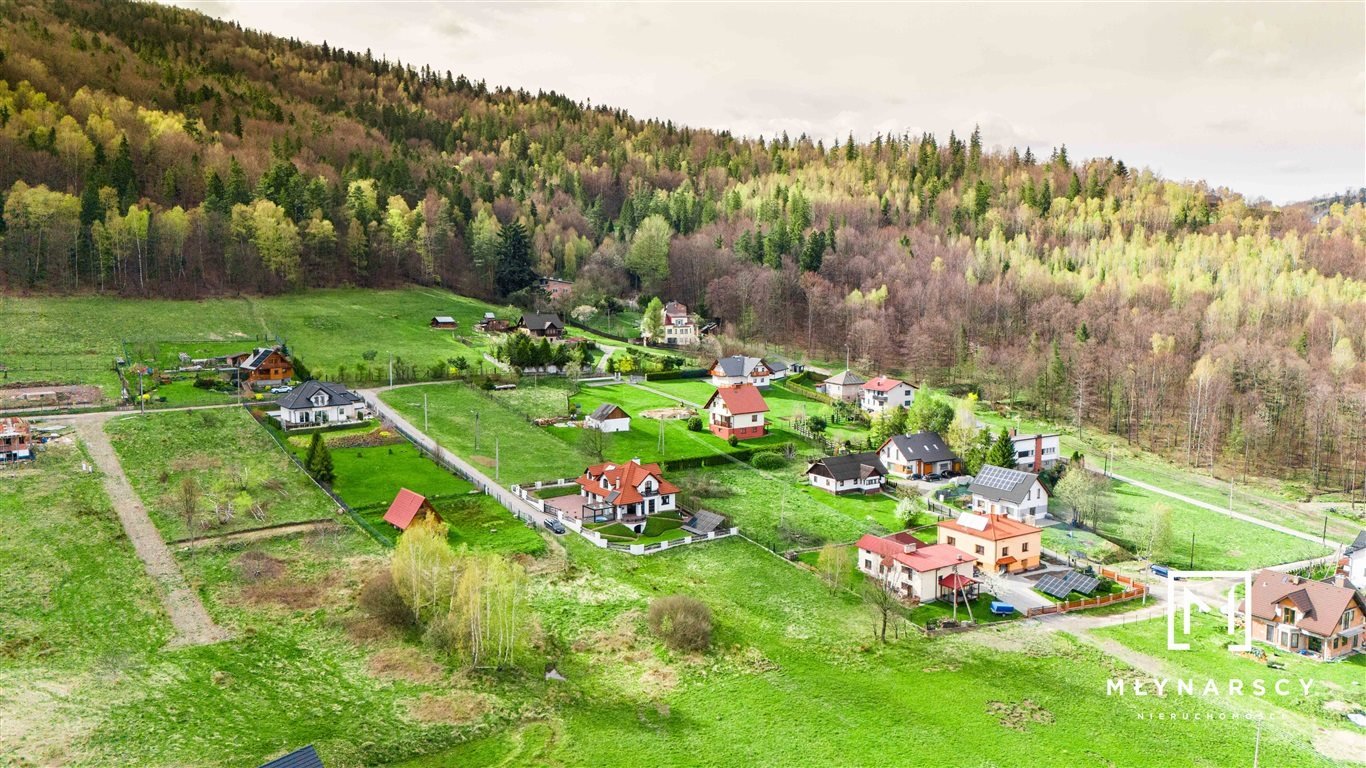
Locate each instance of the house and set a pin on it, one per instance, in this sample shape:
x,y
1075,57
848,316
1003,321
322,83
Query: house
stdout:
x,y
1321,619
320,403
626,493
849,473
608,417
16,439
737,410
1353,561
844,385
445,322
679,328
918,454
739,369
1035,452
914,570
267,365
781,368
1001,491
492,324
881,393
995,541
299,758
407,507
547,325
557,288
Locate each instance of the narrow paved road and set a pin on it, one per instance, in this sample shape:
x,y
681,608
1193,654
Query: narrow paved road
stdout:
x,y
1337,545
192,623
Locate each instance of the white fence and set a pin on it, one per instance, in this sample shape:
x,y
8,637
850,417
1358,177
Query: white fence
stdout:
x,y
525,493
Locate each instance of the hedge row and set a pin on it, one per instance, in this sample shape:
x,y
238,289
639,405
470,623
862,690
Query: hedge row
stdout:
x,y
706,461
684,373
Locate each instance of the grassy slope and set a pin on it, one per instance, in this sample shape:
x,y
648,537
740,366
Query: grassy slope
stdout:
x,y
783,406
217,448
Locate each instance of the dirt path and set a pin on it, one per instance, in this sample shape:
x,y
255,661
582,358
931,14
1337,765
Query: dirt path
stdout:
x,y
192,623
256,534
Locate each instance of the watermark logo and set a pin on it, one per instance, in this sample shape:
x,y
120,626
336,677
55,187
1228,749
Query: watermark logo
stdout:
x,y
1189,600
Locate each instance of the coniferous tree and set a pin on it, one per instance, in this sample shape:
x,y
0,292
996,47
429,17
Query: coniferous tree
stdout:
x,y
514,272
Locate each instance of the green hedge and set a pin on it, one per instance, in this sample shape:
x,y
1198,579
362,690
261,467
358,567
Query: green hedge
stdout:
x,y
713,460
687,373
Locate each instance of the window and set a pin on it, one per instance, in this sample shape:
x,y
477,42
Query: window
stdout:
x,y
1024,547
1005,551
952,540
1288,615
1271,633
981,550
1294,641
1347,617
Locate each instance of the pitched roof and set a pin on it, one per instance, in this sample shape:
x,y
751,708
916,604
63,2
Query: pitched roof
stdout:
x,y
540,321
1319,603
299,398
299,758
845,378
989,527
883,384
675,309
739,398
955,581
1358,544
850,466
623,481
922,446
258,356
605,411
1030,438
405,507
1000,484
443,319
737,365
911,552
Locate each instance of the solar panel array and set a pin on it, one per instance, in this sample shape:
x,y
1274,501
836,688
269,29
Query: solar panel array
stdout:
x,y
999,478
1062,586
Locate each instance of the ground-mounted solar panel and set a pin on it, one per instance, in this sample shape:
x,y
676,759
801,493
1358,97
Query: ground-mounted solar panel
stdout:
x,y
1080,582
1053,586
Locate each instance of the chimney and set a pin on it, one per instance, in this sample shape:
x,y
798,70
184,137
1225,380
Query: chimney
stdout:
x,y
1294,579
1012,431
907,548
1339,579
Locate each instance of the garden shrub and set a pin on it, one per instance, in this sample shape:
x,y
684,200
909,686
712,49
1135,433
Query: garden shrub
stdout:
x,y
380,599
682,622
695,424
768,460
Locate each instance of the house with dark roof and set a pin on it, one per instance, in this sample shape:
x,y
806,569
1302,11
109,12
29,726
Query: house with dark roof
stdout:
x,y
556,288
737,410
320,404
408,507
918,454
491,323
445,322
996,542
608,417
1321,619
1001,491
306,757
1353,564
740,369
914,570
266,365
547,325
626,493
848,473
1035,452
882,393
844,385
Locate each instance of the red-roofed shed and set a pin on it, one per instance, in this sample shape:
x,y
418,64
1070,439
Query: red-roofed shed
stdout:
x,y
407,507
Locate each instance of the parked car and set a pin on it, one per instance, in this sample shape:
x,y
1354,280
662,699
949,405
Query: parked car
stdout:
x,y
281,390
949,473
555,526
917,476
934,477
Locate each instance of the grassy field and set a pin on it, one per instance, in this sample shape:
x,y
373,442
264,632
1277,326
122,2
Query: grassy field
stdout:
x,y
234,461
784,406
75,339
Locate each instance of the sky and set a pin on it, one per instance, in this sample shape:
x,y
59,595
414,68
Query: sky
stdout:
x,y
1267,99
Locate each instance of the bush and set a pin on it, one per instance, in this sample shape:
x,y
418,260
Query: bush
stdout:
x,y
682,622
695,424
817,423
732,441
380,599
768,460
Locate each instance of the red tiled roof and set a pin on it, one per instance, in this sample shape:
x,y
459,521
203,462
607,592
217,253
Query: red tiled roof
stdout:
x,y
1006,561
739,398
882,384
922,557
1319,604
405,507
623,480
998,527
955,581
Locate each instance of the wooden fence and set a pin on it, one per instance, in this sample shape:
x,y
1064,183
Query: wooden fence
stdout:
x,y
1135,589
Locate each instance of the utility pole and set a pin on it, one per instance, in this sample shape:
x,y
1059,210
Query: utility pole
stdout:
x,y
1230,494
496,444
424,412
1325,529
391,370
1192,565
1257,746
476,430
142,401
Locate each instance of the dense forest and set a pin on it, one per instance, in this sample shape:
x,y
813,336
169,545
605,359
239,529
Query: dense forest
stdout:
x,y
151,151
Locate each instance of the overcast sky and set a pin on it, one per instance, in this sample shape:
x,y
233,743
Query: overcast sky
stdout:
x,y
1266,99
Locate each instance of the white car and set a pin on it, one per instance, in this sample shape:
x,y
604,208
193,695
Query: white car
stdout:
x,y
280,390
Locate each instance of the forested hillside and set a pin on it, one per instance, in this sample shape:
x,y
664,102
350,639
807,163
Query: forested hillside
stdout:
x,y
154,151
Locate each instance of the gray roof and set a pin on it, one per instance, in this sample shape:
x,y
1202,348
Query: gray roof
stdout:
x,y
444,319
299,398
1358,544
703,522
299,758
850,466
923,446
1001,484
539,321
604,412
738,365
846,378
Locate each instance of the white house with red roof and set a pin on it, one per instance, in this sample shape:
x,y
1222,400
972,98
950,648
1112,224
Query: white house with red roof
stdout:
x,y
914,570
881,393
626,493
737,410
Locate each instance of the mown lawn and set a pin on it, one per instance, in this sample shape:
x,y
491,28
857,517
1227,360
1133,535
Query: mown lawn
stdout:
x,y
233,460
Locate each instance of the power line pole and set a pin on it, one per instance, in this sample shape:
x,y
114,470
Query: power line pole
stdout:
x,y
391,370
1192,564
496,476
424,413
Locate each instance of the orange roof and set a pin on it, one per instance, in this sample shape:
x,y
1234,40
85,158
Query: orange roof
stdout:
x,y
1006,561
998,527
739,398
921,557
405,507
882,384
623,481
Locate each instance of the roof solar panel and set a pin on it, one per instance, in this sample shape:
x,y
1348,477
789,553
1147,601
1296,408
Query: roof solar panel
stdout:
x,y
999,478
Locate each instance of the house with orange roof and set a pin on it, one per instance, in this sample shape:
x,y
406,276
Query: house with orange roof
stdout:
x,y
881,393
407,507
1324,620
626,493
737,410
996,542
916,571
